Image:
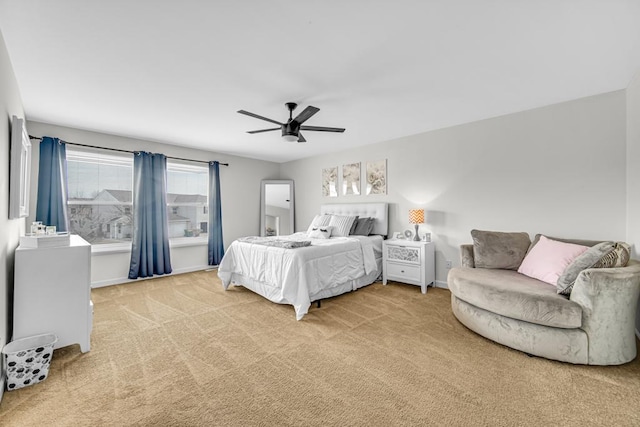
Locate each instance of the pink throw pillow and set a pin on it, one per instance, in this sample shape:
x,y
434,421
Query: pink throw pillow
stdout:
x,y
548,259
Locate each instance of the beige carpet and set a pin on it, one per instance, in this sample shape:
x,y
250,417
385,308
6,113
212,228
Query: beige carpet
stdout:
x,y
180,351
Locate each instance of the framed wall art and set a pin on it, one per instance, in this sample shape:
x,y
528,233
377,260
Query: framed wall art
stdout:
x,y
376,176
351,179
330,182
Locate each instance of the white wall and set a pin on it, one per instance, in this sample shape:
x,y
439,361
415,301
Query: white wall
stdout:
x,y
239,185
10,230
633,171
558,170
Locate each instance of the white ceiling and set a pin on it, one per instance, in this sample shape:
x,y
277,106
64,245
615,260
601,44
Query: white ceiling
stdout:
x,y
177,71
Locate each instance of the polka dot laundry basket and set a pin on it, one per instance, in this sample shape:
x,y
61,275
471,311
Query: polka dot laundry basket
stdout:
x,y
27,360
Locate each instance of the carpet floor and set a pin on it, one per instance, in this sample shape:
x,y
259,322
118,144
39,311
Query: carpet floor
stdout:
x,y
180,351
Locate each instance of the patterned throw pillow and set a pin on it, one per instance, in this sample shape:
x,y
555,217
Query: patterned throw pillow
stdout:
x,y
322,232
318,221
341,225
617,257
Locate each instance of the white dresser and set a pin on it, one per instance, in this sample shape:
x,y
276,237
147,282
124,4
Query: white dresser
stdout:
x,y
409,261
52,293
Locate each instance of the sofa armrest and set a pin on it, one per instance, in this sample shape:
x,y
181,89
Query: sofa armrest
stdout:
x,y
466,256
609,298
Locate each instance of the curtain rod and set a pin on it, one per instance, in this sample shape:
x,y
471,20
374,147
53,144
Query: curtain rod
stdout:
x,y
126,151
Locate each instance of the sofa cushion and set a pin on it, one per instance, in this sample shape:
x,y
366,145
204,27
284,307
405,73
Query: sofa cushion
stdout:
x,y
549,259
494,249
514,295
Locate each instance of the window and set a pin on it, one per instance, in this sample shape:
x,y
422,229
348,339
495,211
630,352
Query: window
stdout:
x,y
187,199
100,195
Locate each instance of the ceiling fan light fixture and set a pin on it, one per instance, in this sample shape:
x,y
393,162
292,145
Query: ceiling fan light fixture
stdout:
x,y
290,138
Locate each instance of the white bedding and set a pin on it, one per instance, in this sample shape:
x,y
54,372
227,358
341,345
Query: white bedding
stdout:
x,y
296,276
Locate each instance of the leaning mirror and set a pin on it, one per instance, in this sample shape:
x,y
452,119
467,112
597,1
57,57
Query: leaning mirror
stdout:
x,y
20,169
276,210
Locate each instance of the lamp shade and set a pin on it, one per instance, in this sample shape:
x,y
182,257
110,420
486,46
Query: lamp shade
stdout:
x,y
416,216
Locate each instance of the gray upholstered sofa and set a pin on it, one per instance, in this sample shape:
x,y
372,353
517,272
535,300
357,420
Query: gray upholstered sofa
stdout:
x,y
595,325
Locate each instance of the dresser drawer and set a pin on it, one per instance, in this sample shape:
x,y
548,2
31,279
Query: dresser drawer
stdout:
x,y
403,272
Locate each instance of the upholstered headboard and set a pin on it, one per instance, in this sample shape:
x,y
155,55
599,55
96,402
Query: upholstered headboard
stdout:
x,y
378,211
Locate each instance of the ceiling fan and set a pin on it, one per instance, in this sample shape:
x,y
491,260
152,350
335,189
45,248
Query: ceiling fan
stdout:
x,y
291,129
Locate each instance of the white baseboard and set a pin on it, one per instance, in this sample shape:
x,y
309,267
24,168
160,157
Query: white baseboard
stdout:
x,y
121,280
440,284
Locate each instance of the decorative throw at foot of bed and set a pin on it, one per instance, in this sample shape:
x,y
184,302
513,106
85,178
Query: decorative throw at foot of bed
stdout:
x,y
276,242
300,269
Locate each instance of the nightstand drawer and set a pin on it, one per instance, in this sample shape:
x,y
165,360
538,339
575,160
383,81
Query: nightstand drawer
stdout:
x,y
403,271
403,254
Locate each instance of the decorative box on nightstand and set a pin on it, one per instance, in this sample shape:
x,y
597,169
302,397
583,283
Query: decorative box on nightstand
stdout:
x,y
408,261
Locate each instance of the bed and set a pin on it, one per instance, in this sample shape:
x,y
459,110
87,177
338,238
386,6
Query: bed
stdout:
x,y
303,275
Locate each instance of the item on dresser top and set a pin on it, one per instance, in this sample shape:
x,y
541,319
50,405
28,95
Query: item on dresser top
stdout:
x,y
45,240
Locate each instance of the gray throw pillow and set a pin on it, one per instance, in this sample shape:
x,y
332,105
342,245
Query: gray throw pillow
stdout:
x,y
495,249
587,259
363,227
353,226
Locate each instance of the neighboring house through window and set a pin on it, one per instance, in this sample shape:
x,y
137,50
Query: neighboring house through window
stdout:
x,y
100,187
187,188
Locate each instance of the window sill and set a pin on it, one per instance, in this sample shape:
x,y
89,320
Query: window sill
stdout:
x,y
178,242
110,248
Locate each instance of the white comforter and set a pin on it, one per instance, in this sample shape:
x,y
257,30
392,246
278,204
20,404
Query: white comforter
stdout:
x,y
291,276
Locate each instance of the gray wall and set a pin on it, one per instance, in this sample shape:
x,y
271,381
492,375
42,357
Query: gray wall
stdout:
x,y
558,170
239,185
10,104
633,170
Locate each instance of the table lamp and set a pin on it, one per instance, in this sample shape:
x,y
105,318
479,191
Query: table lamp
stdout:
x,y
416,216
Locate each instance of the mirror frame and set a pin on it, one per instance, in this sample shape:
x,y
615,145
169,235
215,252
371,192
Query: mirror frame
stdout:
x,y
20,178
263,207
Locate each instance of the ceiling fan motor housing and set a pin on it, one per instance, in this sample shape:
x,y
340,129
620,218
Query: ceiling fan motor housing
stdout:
x,y
291,128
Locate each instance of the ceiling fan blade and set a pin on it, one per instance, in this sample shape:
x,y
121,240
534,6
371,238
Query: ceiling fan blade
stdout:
x,y
262,130
301,138
306,114
322,129
246,113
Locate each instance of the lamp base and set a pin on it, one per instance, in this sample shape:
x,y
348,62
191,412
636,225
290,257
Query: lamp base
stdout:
x,y
416,237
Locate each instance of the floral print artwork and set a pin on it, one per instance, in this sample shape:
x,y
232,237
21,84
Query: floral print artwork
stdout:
x,y
330,182
377,177
351,179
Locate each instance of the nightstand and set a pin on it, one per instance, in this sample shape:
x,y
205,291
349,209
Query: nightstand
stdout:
x,y
408,261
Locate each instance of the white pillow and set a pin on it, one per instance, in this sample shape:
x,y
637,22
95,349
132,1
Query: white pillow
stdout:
x,y
318,221
341,225
321,232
